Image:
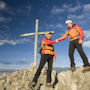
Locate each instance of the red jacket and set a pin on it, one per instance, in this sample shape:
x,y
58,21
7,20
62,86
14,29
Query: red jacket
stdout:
x,y
47,43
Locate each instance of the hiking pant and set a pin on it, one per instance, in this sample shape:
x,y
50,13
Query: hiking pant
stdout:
x,y
75,44
44,58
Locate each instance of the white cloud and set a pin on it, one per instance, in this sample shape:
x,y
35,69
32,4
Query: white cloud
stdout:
x,y
55,26
87,38
86,7
75,16
86,12
2,5
65,8
5,9
13,42
70,7
22,62
59,26
24,10
86,44
57,10
4,19
73,9
87,34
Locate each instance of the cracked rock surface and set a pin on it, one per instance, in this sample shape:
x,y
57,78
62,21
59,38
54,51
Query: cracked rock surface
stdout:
x,y
66,80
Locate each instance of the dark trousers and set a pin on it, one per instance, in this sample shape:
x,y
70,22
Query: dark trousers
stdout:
x,y
44,58
75,44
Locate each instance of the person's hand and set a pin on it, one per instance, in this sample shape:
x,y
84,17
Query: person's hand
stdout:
x,y
54,58
80,41
57,41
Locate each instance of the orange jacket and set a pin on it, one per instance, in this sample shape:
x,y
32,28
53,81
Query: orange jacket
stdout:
x,y
74,33
47,46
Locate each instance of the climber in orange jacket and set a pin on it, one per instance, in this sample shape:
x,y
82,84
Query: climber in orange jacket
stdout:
x,y
47,55
75,34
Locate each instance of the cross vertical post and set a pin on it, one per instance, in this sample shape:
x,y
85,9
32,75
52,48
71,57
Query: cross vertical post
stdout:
x,y
35,45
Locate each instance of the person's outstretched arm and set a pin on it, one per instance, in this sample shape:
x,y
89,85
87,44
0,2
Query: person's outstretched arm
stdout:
x,y
64,36
48,42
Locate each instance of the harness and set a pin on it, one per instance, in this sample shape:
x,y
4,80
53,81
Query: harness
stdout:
x,y
48,49
44,47
76,35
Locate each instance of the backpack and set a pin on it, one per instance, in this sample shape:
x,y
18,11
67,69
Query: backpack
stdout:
x,y
40,49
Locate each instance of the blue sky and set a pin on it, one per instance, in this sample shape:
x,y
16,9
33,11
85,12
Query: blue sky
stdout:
x,y
18,17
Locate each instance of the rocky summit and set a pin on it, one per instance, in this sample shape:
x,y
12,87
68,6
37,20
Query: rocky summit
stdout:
x,y
66,80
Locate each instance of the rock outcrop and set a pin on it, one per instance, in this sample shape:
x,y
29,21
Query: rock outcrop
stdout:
x,y
77,80
65,80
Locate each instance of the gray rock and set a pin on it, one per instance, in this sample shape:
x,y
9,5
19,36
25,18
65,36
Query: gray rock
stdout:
x,y
67,80
74,80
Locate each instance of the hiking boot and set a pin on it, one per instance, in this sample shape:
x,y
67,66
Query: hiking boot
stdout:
x,y
73,69
48,84
86,68
33,84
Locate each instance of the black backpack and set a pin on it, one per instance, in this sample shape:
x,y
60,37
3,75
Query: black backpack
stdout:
x,y
40,49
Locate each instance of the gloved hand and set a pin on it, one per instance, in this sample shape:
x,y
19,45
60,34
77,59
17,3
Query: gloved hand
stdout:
x,y
57,41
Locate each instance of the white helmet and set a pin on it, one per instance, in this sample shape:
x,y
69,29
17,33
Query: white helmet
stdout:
x,y
68,21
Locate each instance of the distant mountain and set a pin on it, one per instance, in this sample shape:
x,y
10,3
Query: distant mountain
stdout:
x,y
6,69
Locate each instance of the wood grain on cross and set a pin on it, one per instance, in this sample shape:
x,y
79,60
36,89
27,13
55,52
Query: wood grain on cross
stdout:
x,y
36,39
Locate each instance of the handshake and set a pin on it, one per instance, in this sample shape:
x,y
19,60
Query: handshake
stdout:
x,y
57,40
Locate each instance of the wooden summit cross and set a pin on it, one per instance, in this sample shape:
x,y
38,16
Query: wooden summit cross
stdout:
x,y
36,39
